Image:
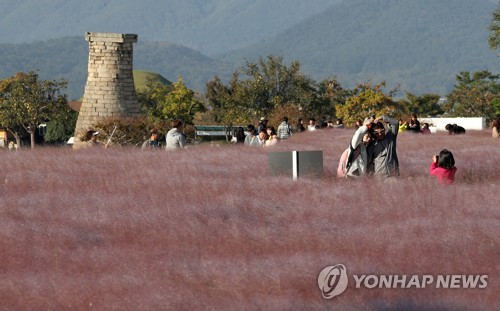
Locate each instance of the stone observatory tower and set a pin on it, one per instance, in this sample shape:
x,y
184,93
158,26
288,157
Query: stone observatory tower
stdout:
x,y
109,91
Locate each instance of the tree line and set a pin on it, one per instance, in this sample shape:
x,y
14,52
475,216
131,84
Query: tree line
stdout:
x,y
267,87
271,88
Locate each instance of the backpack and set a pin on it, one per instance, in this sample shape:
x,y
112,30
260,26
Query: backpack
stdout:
x,y
346,159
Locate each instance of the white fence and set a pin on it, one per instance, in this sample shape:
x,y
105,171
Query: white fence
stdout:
x,y
466,123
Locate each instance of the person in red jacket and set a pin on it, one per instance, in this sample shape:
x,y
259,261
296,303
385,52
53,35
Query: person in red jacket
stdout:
x,y
443,167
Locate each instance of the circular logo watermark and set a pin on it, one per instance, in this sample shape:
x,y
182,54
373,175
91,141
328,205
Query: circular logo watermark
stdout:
x,y
332,281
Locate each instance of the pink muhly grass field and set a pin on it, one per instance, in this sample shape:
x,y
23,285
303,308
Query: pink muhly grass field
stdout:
x,y
208,227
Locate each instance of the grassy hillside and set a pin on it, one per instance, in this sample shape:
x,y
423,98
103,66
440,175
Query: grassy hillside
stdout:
x,y
209,26
142,78
173,60
420,44
197,230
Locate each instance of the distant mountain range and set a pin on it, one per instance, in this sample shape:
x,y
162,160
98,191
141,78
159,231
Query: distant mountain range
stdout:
x,y
420,44
67,58
208,26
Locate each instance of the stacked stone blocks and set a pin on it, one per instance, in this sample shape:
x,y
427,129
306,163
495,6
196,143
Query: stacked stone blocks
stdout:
x,y
109,91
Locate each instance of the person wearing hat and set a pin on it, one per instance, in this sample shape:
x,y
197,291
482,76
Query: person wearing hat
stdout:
x,y
262,125
91,138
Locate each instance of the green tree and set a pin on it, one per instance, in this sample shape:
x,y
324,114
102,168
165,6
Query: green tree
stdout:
x,y
150,97
27,102
473,95
181,103
270,84
162,103
423,105
61,127
494,28
367,100
226,102
331,94
495,106
266,88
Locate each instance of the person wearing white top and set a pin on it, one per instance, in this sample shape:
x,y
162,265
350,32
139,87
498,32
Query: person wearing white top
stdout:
x,y
175,138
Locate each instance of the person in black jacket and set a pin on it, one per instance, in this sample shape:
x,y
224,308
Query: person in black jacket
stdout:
x,y
454,129
414,126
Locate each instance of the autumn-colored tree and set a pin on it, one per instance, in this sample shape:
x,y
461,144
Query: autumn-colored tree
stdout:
x,y
292,112
26,102
473,95
180,103
367,100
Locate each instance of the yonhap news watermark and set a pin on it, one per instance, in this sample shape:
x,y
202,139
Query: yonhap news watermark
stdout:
x,y
334,280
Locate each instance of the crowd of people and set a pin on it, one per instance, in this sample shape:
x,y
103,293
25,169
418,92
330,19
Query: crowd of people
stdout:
x,y
372,149
414,126
265,135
